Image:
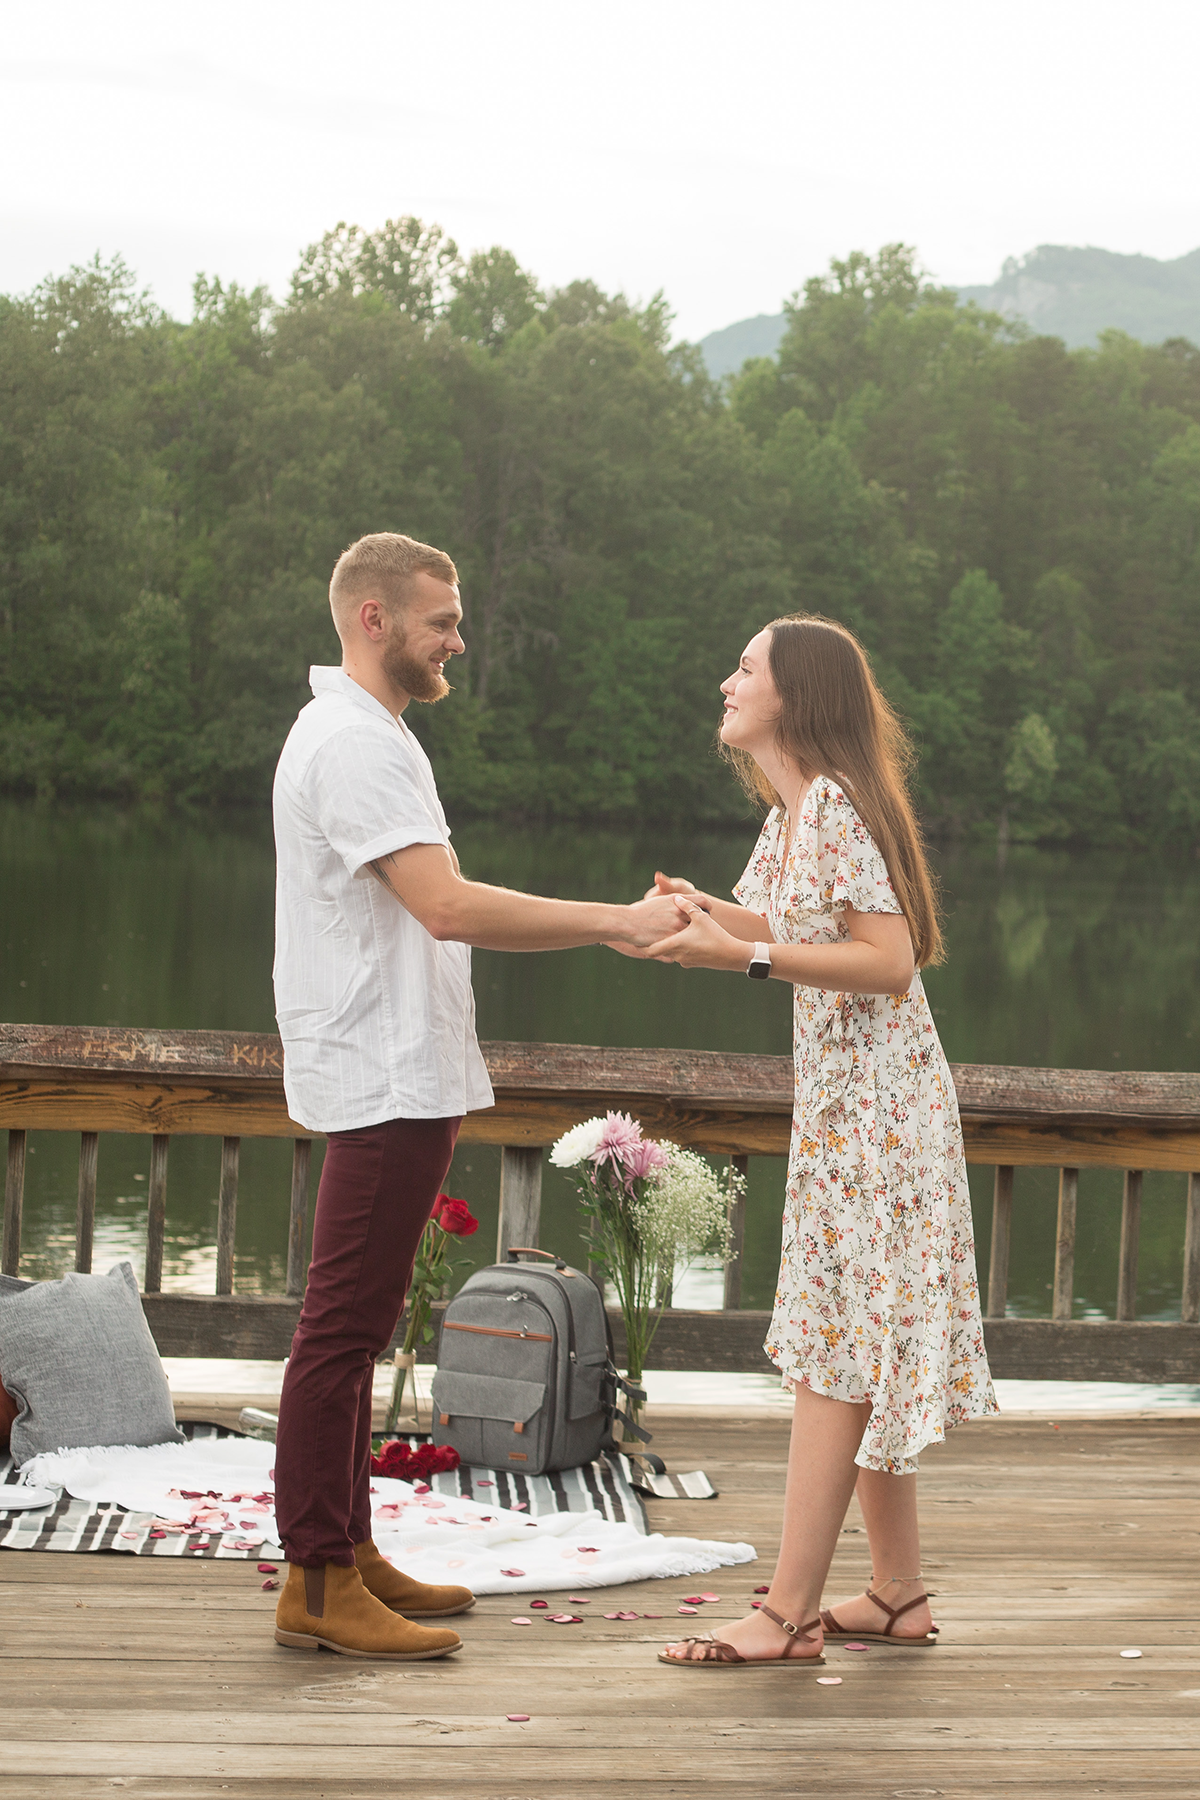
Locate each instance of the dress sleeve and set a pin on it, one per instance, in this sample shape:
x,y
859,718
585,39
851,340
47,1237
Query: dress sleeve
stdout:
x,y
753,887
850,869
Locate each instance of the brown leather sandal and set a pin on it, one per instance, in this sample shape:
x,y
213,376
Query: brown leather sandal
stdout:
x,y
832,1629
720,1655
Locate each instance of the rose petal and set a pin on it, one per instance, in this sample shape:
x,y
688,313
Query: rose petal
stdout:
x,y
652,1615
856,1646
1131,1653
687,1609
517,1718
756,1604
268,1569
519,1506
485,1484
693,1599
520,1621
539,1603
269,1584
627,1615
762,1590
513,1572
709,1598
612,1615
829,1681
579,1599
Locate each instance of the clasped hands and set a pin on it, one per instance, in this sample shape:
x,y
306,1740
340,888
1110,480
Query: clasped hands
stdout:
x,y
698,942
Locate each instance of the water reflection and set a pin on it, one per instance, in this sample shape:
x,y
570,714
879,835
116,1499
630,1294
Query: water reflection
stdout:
x,y
1059,959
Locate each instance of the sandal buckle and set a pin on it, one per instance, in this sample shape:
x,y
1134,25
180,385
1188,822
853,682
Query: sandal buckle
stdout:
x,y
792,1630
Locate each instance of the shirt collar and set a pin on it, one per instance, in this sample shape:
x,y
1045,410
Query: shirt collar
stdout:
x,y
326,679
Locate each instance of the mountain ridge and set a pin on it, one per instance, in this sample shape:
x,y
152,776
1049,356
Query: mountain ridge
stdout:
x,y
1060,290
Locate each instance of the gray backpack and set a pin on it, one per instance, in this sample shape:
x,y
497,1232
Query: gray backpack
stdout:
x,y
525,1377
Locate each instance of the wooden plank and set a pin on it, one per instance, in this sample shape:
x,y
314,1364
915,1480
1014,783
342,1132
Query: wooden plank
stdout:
x,y
737,1235
156,1213
298,1214
1127,1267
85,1207
520,1199
1064,1244
997,1289
14,1199
1081,1145
227,1213
262,1326
1190,1311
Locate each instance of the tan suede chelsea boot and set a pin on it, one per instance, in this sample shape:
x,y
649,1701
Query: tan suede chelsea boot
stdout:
x,y
414,1599
330,1609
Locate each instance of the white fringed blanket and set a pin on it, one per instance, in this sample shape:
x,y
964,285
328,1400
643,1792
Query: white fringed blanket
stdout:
x,y
224,1488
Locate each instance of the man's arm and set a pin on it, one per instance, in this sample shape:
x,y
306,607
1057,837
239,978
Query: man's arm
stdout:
x,y
425,880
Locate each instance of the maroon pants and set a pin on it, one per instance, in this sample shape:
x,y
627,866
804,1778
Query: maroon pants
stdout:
x,y
377,1191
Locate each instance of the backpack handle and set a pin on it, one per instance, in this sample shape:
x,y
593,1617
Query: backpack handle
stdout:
x,y
516,1250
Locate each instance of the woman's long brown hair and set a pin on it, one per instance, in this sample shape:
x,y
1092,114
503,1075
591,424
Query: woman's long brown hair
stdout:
x,y
834,721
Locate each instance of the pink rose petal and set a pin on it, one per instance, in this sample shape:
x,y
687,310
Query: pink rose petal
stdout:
x,y
856,1646
709,1598
687,1609
612,1615
513,1572
756,1604
829,1681
627,1615
762,1590
539,1603
519,1506
268,1569
517,1718
520,1621
269,1584
485,1484
579,1599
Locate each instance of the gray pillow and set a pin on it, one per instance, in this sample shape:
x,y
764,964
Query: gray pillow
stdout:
x,y
78,1357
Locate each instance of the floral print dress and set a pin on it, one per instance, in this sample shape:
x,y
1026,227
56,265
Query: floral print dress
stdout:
x,y
878,1298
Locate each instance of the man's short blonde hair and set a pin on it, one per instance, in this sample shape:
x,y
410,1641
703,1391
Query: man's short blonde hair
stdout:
x,y
381,566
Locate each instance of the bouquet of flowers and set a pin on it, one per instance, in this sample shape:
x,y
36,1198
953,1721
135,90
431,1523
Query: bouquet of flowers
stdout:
x,y
651,1208
450,1218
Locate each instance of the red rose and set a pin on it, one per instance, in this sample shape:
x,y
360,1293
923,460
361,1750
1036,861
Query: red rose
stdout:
x,y
454,1216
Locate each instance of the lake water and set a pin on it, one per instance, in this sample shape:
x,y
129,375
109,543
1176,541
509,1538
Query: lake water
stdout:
x,y
1058,959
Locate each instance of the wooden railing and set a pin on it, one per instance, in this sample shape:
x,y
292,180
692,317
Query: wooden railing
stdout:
x,y
230,1085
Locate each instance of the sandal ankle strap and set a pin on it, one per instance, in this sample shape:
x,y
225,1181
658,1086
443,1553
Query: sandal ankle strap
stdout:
x,y
804,1631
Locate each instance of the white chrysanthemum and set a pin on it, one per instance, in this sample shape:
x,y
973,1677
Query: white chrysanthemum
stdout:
x,y
576,1145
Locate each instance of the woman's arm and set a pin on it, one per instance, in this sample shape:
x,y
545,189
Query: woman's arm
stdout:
x,y
877,960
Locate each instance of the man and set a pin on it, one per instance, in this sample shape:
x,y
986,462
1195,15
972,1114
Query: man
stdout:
x,y
373,995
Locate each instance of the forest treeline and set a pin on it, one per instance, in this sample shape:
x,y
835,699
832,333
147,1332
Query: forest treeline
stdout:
x,y
1013,530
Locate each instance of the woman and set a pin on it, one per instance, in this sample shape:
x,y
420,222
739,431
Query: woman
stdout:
x,y
876,1322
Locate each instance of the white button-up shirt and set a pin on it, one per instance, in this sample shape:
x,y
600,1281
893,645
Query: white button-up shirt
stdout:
x,y
377,1017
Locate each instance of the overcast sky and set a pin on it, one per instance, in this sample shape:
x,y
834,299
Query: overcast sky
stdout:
x,y
721,152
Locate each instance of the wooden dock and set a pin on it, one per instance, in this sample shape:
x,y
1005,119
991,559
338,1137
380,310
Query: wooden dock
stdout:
x,y
1051,1551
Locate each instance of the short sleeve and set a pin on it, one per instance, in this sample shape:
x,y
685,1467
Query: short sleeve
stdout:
x,y
849,868
753,887
367,797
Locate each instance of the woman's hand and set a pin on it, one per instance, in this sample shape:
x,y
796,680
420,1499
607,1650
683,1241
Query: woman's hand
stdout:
x,y
669,884
700,943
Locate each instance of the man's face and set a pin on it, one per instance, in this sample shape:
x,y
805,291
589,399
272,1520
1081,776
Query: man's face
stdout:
x,y
422,637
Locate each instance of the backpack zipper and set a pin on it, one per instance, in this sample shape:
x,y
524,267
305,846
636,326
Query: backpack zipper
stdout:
x,y
537,1337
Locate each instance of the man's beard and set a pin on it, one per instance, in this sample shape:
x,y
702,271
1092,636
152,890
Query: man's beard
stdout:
x,y
403,670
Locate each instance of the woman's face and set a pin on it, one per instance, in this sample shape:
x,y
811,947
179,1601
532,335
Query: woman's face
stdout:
x,y
751,700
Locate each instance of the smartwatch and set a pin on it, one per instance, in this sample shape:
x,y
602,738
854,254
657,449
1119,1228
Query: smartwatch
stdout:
x,y
760,963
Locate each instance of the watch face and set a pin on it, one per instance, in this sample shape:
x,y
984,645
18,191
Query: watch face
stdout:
x,y
759,971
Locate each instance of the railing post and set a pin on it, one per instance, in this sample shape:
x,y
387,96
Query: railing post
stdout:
x,y
298,1213
14,1196
520,1197
1064,1250
85,1206
1190,1310
738,1165
227,1213
1127,1269
156,1214
1002,1194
